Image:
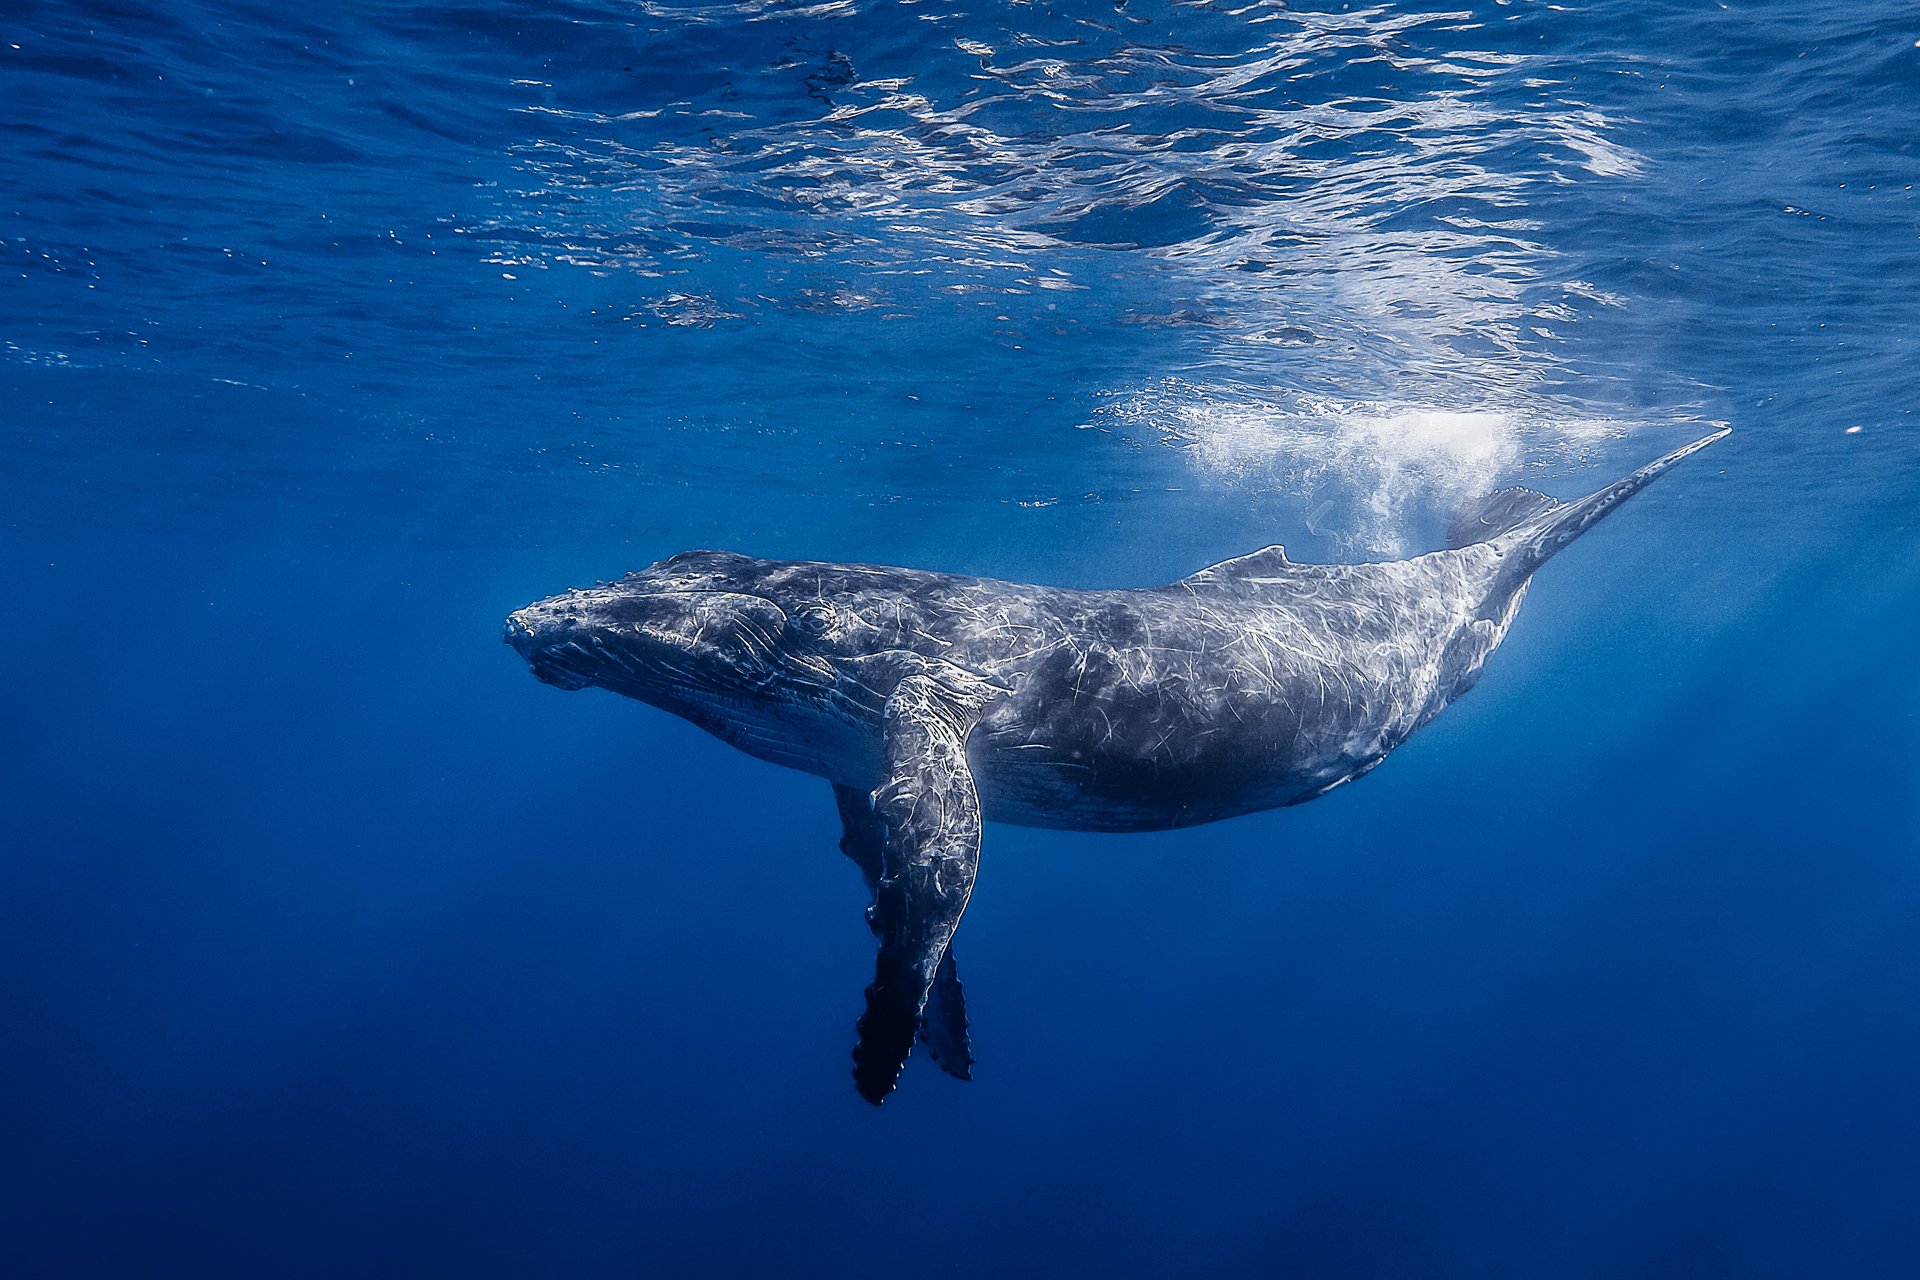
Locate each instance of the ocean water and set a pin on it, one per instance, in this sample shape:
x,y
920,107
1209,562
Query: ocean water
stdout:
x,y
332,943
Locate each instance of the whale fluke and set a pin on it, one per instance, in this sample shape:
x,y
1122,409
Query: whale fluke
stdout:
x,y
1540,539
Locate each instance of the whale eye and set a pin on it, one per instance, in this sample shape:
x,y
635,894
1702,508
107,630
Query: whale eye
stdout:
x,y
812,619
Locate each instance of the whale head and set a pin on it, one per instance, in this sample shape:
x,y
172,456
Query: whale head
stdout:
x,y
721,639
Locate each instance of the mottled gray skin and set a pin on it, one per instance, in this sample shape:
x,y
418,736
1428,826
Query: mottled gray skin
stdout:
x,y
1253,684
948,699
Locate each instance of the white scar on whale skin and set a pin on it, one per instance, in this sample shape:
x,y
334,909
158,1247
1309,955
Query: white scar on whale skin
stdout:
x,y
934,702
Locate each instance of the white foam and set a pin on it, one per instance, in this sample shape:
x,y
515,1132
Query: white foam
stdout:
x,y
1369,471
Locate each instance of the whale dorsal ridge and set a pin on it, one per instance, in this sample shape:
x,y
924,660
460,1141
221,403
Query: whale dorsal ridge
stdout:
x,y
1266,562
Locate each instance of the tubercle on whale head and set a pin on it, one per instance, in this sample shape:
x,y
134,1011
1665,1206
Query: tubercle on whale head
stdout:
x,y
547,633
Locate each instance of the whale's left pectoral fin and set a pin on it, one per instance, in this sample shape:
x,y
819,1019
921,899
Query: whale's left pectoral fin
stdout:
x,y
943,1024
929,815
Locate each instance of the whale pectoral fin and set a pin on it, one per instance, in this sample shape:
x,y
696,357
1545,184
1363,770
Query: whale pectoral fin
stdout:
x,y
861,834
943,1024
929,813
943,1027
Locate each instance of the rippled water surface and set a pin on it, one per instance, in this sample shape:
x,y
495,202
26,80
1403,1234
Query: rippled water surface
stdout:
x,y
334,942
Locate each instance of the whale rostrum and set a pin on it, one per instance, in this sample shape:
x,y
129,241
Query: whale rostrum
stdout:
x,y
933,702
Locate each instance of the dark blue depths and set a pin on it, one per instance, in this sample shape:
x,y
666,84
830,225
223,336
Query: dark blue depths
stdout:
x,y
330,940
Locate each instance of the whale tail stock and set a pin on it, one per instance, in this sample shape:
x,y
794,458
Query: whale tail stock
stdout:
x,y
1534,528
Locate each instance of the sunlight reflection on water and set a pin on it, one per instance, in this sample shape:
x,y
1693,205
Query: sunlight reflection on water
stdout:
x,y
1331,207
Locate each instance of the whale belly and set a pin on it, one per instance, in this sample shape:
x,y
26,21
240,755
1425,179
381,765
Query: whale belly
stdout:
x,y
1161,777
1175,750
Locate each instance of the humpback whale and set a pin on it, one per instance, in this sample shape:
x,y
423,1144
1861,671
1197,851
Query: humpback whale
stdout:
x,y
934,702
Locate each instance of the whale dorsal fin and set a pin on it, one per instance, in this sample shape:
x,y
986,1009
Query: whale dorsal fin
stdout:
x,y
1492,514
1266,562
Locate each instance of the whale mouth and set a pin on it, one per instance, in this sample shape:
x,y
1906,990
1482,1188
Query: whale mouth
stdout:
x,y
562,652
554,669
563,663
673,648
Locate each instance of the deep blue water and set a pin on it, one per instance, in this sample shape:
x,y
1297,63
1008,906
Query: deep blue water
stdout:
x,y
332,943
